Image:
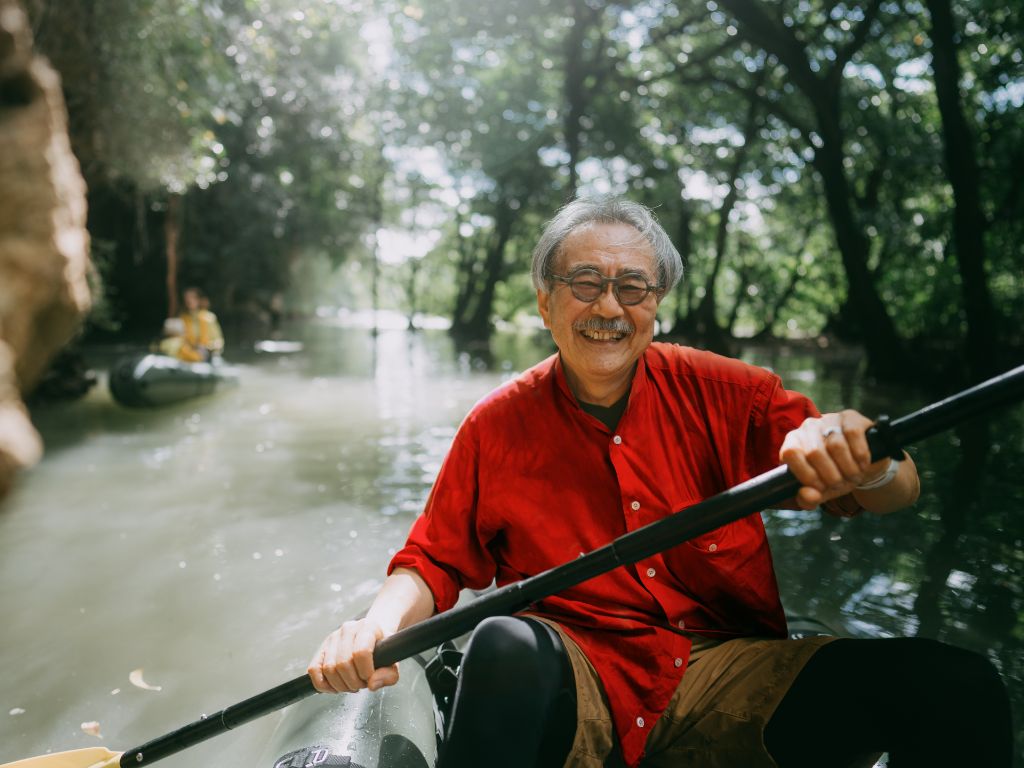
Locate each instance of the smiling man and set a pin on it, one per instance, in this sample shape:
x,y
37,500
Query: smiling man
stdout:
x,y
681,659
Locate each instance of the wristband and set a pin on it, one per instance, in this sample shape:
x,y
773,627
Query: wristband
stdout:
x,y
883,479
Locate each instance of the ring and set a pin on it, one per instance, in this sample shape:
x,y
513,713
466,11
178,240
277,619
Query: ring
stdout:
x,y
827,433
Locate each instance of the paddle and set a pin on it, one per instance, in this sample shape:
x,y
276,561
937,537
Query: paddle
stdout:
x,y
886,438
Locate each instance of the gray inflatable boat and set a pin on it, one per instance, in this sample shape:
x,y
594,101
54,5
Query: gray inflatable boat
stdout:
x,y
152,380
395,727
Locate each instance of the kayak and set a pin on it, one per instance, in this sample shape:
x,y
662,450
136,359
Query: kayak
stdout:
x,y
395,727
398,726
151,380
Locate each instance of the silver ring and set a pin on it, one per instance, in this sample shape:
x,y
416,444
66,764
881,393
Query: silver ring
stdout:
x,y
827,433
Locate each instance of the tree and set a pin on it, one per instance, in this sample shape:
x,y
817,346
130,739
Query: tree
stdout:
x,y
962,169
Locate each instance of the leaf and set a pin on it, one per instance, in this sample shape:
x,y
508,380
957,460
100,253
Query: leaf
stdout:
x,y
135,678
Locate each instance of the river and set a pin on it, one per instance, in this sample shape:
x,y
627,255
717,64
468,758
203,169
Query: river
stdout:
x,y
213,543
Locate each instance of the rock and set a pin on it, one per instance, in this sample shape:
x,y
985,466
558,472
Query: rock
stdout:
x,y
44,262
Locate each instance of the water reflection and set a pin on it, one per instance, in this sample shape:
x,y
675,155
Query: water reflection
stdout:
x,y
213,543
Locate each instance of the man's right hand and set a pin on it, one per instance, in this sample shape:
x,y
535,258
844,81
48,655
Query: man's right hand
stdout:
x,y
344,661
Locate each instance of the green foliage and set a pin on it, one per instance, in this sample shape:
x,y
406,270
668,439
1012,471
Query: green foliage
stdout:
x,y
297,134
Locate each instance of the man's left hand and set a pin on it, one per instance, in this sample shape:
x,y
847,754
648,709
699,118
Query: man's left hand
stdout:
x,y
830,457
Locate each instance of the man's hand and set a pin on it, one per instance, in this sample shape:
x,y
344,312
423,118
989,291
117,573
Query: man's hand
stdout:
x,y
344,661
830,457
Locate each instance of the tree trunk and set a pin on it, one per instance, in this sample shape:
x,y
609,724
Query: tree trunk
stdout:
x,y
874,326
962,171
411,289
478,324
776,309
575,95
684,244
172,234
705,317
465,277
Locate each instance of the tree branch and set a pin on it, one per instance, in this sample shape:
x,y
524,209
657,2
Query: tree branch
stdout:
x,y
757,26
860,36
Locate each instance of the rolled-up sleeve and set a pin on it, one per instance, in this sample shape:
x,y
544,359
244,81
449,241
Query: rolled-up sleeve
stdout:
x,y
447,546
776,412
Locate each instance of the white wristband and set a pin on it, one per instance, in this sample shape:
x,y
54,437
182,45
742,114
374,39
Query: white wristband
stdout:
x,y
883,479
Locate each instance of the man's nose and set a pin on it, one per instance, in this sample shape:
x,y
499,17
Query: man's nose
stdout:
x,y
606,305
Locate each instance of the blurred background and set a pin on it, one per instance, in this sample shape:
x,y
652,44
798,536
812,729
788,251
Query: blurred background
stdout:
x,y
855,168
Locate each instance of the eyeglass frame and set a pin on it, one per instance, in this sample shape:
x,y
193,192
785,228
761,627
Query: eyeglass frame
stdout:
x,y
605,281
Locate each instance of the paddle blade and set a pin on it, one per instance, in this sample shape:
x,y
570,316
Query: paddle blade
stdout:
x,y
93,757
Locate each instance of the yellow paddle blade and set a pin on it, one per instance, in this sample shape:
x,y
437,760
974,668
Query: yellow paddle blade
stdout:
x,y
93,757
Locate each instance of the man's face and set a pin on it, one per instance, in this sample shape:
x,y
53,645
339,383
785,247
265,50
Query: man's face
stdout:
x,y
594,358
191,300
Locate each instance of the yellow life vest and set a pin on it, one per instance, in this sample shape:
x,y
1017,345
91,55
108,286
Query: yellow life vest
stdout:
x,y
202,332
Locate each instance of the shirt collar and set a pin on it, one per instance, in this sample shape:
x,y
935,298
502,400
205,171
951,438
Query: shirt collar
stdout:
x,y
637,386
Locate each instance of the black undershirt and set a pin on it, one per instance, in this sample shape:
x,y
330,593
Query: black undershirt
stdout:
x,y
608,415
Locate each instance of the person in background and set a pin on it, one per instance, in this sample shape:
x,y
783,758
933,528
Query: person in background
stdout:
x,y
681,659
202,339
173,336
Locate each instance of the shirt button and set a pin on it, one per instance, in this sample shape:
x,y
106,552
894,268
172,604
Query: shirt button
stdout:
x,y
617,440
682,624
635,506
639,722
678,662
713,548
651,572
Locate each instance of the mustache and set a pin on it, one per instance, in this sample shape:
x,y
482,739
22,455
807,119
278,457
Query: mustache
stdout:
x,y
615,325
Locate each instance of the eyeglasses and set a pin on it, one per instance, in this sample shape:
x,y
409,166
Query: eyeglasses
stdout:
x,y
587,285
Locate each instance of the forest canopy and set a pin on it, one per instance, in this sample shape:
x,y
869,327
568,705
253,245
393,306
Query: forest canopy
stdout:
x,y
849,168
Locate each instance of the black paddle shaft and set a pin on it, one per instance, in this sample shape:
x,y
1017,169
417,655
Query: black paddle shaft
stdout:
x,y
886,438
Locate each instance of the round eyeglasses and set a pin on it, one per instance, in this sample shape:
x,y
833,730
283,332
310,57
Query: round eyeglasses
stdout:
x,y
587,285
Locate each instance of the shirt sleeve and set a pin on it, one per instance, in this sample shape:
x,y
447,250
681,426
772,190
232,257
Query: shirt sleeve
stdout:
x,y
446,546
776,411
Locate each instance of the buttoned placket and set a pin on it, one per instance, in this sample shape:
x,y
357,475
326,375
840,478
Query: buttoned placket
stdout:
x,y
632,523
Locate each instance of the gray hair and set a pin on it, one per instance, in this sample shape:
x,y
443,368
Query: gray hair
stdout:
x,y
606,210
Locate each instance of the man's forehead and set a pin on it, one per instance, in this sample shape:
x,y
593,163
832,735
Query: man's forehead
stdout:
x,y
593,240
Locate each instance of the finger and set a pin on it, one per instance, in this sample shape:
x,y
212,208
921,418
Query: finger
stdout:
x,y
856,427
383,677
315,670
362,650
331,671
809,498
338,663
795,455
821,461
838,447
346,669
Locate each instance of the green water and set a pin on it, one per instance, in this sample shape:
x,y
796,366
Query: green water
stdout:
x,y
214,543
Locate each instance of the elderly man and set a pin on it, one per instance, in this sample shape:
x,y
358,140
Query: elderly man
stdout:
x,y
680,659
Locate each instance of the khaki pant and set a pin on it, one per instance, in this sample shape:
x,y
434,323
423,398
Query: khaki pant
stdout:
x,y
716,717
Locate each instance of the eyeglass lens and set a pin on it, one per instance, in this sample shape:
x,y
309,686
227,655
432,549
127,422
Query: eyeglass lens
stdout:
x,y
588,285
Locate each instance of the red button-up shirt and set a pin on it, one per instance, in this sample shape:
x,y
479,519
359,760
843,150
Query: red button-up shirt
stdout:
x,y
532,481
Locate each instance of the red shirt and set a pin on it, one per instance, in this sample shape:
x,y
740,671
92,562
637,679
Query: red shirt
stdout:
x,y
531,481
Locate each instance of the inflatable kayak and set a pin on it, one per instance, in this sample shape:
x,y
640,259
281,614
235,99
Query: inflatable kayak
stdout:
x,y
150,380
396,727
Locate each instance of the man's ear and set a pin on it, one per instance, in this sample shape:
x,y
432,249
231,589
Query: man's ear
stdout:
x,y
543,307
